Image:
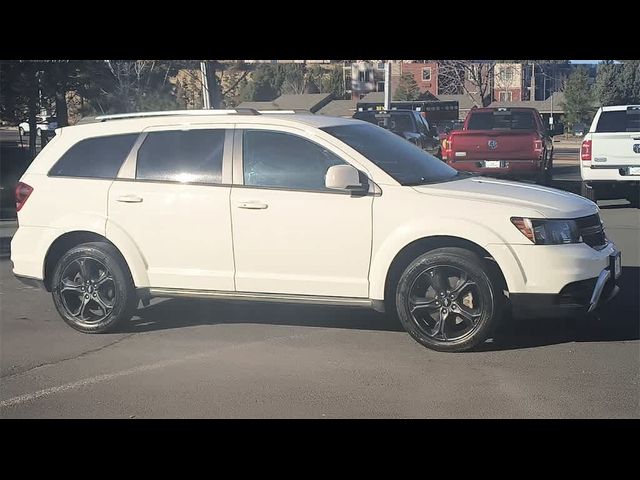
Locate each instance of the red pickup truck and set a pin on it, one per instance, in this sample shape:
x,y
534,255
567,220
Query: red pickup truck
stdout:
x,y
509,142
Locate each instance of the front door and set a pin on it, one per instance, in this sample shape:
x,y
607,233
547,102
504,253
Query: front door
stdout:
x,y
291,235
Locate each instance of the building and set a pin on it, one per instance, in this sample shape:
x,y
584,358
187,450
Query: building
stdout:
x,y
308,102
366,77
425,74
508,82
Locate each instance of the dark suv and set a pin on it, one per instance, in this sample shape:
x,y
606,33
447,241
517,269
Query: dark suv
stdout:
x,y
409,124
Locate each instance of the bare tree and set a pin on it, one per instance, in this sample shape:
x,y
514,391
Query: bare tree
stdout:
x,y
474,78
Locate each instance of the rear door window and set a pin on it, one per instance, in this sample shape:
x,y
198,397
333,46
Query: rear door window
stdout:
x,y
501,120
188,156
98,157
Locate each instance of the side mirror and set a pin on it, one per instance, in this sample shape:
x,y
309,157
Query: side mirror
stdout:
x,y
345,177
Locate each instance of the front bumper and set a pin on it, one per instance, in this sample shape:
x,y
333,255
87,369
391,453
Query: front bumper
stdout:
x,y
575,298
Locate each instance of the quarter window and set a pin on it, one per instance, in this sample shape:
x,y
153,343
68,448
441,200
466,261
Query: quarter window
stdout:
x,y
98,157
189,156
277,159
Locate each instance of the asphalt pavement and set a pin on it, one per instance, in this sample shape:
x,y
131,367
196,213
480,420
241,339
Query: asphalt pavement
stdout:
x,y
213,359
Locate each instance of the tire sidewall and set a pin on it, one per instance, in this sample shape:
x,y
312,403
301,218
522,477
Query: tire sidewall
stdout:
x,y
485,288
122,282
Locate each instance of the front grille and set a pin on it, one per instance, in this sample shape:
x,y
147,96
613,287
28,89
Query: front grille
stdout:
x,y
592,231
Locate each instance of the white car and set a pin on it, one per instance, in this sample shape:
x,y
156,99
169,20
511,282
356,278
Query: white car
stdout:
x,y
610,154
43,123
284,207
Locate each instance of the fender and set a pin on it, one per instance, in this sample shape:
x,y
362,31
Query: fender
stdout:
x,y
384,254
130,251
99,225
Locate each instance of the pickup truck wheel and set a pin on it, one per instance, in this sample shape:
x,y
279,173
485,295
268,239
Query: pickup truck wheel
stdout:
x,y
587,191
92,288
446,300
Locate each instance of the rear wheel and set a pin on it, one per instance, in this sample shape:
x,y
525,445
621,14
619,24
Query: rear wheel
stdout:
x,y
92,288
634,197
446,300
546,174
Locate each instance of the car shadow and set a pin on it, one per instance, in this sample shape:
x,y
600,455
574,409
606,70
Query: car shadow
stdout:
x,y
182,312
616,206
617,321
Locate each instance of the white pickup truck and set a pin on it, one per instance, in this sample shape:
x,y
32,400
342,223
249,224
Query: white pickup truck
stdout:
x,y
610,154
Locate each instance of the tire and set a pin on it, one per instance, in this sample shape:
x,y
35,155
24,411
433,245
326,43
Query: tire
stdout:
x,y
480,301
546,174
588,192
634,198
96,307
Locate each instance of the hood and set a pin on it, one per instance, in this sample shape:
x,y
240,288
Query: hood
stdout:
x,y
549,202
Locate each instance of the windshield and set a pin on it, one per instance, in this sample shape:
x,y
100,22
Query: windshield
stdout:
x,y
501,120
405,162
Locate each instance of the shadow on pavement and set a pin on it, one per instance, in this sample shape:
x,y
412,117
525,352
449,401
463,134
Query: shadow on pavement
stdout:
x,y
179,313
616,206
617,321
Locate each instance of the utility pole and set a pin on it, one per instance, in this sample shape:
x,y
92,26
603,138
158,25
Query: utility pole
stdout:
x,y
206,101
533,81
387,85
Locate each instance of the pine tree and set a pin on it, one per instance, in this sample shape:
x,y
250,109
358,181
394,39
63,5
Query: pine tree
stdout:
x,y
578,98
408,88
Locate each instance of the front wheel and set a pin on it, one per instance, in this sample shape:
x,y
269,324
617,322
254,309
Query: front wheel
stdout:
x,y
446,300
92,288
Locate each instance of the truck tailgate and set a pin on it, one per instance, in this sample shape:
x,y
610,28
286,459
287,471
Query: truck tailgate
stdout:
x,y
492,144
615,149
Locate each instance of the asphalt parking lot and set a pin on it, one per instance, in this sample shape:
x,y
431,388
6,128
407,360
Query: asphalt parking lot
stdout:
x,y
200,358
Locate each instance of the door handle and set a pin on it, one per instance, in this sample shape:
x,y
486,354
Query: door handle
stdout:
x,y
129,199
253,205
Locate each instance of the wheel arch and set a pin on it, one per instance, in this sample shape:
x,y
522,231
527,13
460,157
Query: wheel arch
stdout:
x,y
425,244
68,240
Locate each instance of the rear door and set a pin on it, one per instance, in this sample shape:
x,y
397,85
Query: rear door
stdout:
x,y
171,198
616,140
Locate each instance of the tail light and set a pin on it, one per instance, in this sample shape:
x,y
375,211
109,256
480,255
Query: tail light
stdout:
x,y
537,147
446,149
585,151
22,194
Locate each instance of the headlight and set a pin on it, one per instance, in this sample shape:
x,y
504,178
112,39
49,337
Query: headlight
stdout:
x,y
548,232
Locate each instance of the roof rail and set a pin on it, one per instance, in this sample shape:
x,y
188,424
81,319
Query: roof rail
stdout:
x,y
276,112
168,113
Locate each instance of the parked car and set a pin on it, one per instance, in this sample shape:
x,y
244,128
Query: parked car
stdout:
x,y
507,142
579,129
446,127
610,154
297,208
44,123
409,124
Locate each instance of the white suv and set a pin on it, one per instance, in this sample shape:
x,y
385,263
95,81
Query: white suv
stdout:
x,y
242,205
610,154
